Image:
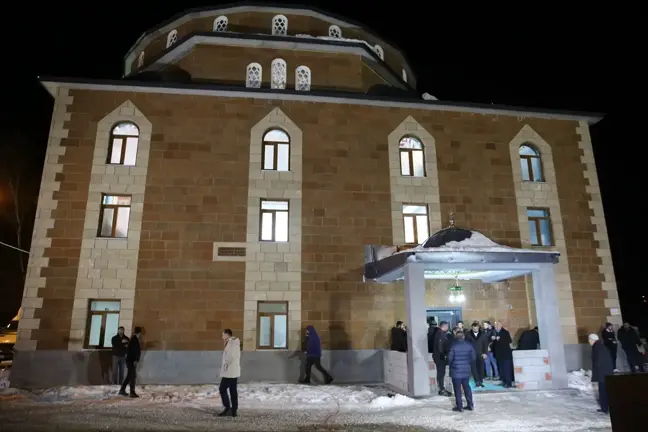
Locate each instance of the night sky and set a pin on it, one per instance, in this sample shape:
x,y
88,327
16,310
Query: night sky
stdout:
x,y
568,60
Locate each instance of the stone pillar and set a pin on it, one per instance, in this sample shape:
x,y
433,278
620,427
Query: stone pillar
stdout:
x,y
417,355
549,324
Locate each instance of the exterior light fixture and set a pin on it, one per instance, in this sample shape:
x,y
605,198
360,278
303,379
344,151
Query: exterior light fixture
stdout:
x,y
456,293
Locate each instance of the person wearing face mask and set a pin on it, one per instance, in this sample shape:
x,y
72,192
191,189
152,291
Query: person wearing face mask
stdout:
x,y
479,340
490,364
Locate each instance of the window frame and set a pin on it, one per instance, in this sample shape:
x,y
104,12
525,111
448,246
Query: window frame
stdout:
x,y
414,216
102,332
274,220
536,221
103,207
124,139
410,157
271,315
528,159
275,150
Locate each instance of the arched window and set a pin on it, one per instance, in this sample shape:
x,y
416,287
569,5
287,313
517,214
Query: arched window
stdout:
x,y
278,74
531,164
302,78
172,38
253,75
220,24
140,60
276,150
404,75
412,160
379,51
335,31
124,138
279,25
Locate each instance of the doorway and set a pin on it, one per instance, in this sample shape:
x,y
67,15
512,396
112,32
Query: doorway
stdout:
x,y
449,314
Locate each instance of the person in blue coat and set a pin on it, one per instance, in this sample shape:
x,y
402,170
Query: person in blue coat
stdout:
x,y
460,358
314,355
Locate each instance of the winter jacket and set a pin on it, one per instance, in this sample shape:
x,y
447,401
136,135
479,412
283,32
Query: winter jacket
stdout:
x,y
441,345
502,348
460,358
609,339
601,362
529,340
479,342
134,350
430,338
398,339
490,333
231,367
628,338
119,348
313,343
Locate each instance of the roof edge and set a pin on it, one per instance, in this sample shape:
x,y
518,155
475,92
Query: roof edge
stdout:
x,y
314,96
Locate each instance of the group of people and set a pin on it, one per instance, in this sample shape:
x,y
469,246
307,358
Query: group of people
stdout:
x,y
127,351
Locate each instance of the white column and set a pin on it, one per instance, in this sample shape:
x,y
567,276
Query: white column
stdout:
x,y
549,325
417,354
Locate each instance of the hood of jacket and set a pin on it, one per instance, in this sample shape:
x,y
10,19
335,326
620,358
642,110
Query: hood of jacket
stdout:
x,y
313,345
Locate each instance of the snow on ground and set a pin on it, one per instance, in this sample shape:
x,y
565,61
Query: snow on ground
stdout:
x,y
581,380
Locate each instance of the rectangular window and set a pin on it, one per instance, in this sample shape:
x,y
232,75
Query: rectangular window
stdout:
x,y
123,150
272,325
102,323
540,226
114,216
415,220
274,221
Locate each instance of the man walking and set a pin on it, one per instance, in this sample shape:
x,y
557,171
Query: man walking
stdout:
x,y
478,338
440,356
133,354
314,356
230,373
601,368
119,349
461,357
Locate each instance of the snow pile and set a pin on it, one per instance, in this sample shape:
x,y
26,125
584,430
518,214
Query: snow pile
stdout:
x,y
477,242
4,379
581,380
261,395
428,96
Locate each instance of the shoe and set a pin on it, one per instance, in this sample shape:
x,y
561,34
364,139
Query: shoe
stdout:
x,y
457,409
122,393
616,371
445,392
329,380
603,412
304,381
470,407
226,412
133,396
481,385
234,412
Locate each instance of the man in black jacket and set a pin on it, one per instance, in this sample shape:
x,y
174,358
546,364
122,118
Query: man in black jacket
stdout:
x,y
399,337
503,354
119,348
601,368
132,358
432,329
610,342
440,356
479,340
529,340
629,340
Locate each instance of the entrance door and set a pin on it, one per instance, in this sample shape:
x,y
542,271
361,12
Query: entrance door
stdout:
x,y
451,315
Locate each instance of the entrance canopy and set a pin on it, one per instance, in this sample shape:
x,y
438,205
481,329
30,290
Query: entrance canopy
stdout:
x,y
455,253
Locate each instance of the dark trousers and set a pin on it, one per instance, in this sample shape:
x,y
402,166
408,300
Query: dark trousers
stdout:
x,y
131,376
118,369
506,371
315,361
441,371
634,360
603,399
477,368
613,353
462,383
225,385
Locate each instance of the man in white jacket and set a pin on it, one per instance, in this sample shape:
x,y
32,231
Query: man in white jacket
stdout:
x,y
230,372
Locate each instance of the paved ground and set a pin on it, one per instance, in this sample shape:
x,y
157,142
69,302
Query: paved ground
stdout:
x,y
537,412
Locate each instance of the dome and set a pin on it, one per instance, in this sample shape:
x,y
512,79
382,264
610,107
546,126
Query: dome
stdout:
x,y
452,236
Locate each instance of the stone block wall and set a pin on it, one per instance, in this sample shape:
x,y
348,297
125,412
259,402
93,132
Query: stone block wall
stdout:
x,y
396,372
532,370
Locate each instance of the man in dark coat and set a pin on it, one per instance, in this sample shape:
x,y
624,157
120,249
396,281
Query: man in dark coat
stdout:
x,y
601,368
629,340
430,336
529,340
119,349
479,340
610,342
461,357
132,358
399,337
492,371
441,347
314,356
503,354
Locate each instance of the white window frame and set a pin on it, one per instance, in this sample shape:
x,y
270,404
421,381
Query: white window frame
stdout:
x,y
278,74
253,83
416,218
303,77
379,52
335,32
220,21
273,220
277,28
172,38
